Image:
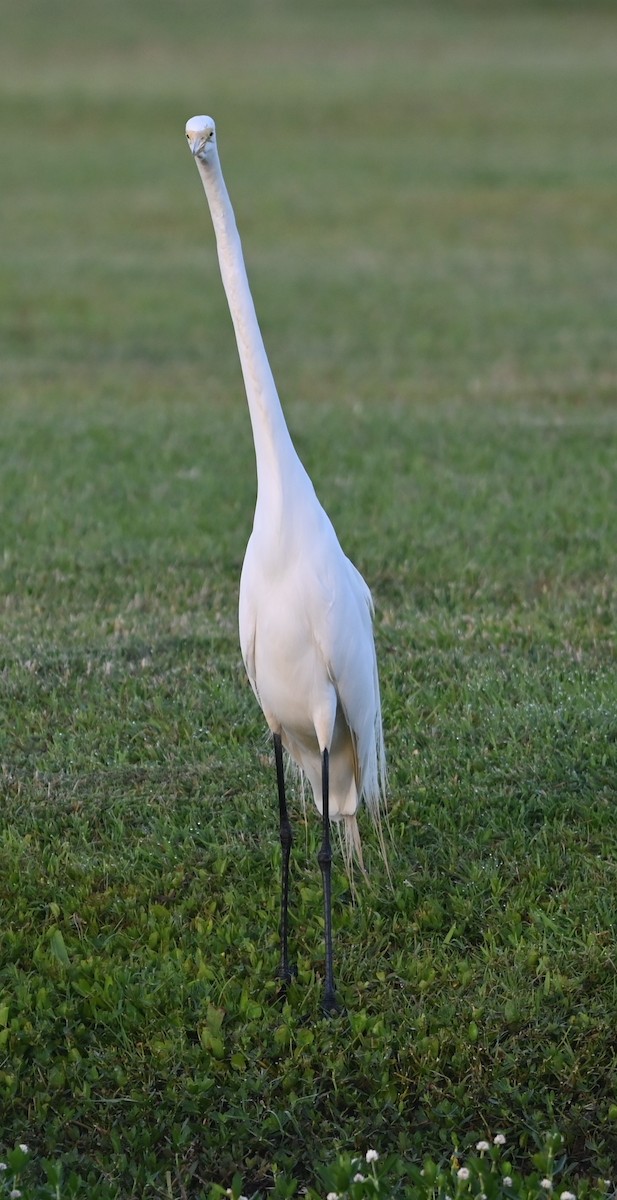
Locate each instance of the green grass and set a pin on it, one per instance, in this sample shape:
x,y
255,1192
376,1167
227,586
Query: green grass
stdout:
x,y
426,196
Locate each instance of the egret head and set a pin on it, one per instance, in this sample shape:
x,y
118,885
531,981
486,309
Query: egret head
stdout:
x,y
201,137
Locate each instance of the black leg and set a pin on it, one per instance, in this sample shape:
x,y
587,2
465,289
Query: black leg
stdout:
x,y
324,859
284,972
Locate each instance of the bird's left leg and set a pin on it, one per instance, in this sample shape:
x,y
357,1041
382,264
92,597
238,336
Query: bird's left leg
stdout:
x,y
285,972
324,859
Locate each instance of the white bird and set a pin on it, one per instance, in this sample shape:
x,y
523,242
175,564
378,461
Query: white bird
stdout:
x,y
305,612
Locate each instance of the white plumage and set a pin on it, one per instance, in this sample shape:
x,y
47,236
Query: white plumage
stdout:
x,y
305,612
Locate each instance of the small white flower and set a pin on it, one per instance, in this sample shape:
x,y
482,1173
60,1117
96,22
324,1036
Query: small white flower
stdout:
x,y
359,1178
507,1181
332,1196
462,1173
482,1146
3,1167
15,1194
568,1196
371,1156
23,1147
499,1139
546,1184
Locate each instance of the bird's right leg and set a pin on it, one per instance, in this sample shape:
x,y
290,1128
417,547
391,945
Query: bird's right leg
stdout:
x,y
324,858
285,972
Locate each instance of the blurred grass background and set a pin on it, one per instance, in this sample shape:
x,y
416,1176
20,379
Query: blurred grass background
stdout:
x,y
426,196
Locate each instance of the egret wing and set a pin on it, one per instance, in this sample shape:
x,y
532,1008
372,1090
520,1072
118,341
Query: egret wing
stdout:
x,y
345,638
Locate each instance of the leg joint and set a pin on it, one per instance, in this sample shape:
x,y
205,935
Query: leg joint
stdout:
x,y
286,835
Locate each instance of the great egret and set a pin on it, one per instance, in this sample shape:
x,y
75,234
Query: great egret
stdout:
x,y
305,612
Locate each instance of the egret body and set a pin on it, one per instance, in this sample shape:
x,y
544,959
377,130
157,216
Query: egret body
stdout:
x,y
305,612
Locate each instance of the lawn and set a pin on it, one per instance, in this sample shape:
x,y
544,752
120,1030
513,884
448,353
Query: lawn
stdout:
x,y
426,195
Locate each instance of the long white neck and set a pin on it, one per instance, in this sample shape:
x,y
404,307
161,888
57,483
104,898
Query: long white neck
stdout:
x,y
274,451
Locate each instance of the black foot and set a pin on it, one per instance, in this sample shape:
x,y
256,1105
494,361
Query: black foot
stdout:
x,y
286,974
330,1006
